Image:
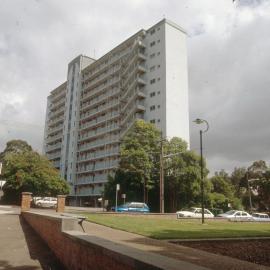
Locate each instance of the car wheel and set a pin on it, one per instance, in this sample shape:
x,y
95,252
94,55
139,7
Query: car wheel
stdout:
x,y
39,205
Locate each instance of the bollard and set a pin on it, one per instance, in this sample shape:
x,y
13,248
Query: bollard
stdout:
x,y
26,201
61,201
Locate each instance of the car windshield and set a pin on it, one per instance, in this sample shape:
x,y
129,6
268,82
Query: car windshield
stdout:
x,y
189,209
231,212
126,205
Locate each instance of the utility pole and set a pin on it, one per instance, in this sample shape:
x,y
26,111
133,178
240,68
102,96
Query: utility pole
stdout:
x,y
161,195
202,179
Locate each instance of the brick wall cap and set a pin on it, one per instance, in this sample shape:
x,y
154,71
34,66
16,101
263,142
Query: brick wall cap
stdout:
x,y
27,193
61,196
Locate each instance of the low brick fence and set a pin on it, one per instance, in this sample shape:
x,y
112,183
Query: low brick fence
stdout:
x,y
79,251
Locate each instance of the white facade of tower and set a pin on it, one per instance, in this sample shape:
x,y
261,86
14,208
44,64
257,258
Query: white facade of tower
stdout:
x,y
145,77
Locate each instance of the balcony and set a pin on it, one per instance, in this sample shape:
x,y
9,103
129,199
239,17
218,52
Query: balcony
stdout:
x,y
98,132
99,99
53,147
142,56
141,81
51,139
98,144
54,156
100,110
142,68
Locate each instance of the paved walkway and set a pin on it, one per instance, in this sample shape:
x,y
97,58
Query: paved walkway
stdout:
x,y
20,247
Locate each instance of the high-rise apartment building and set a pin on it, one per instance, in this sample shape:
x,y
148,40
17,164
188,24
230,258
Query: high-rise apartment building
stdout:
x,y
145,77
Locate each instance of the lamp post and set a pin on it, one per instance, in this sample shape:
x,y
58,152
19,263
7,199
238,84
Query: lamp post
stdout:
x,y
201,121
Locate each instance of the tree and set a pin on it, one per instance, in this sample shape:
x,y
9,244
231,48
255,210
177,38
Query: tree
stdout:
x,y
15,146
26,170
139,154
139,170
182,175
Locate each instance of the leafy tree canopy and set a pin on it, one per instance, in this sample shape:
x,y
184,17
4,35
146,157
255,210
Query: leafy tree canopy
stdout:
x,y
26,170
139,169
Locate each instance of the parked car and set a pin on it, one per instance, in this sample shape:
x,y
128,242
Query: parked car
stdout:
x,y
194,213
132,207
260,217
236,215
48,202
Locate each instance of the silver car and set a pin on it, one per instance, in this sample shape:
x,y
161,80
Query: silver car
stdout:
x,y
261,217
236,215
48,202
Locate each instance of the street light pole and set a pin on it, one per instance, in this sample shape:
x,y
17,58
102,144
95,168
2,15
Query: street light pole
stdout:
x,y
200,121
161,195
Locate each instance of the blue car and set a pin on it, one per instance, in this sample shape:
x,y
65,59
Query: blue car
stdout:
x,y
132,207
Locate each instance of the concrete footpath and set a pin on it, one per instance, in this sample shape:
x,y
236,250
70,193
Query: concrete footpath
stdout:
x,y
20,247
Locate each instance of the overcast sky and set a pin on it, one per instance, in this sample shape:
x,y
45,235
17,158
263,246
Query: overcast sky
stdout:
x,y
228,61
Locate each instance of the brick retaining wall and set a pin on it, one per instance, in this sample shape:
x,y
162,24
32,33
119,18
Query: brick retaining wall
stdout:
x,y
79,251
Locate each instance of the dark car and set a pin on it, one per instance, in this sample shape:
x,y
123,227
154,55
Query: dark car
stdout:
x,y
132,207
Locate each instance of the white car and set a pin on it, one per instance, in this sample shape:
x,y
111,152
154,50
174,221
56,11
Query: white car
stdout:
x,y
49,202
236,215
194,212
260,217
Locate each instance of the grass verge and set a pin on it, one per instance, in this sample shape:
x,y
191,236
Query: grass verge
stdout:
x,y
164,228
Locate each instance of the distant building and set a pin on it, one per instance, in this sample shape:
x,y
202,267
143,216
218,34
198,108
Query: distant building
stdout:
x,y
145,77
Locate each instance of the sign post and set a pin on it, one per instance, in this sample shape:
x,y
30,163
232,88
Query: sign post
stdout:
x,y
116,195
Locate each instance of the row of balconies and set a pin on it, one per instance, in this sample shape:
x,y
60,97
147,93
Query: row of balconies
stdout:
x,y
99,110
89,191
54,130
53,147
99,99
136,94
97,132
54,155
138,107
89,82
56,113
91,91
99,178
55,121
97,166
55,105
99,120
98,143
56,137
58,96
98,154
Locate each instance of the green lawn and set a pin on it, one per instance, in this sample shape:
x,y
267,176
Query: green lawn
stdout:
x,y
164,228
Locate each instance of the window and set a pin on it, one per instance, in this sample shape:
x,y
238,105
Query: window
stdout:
x,y
152,94
153,121
152,108
152,55
158,92
152,32
152,43
158,29
158,53
158,41
152,81
158,66
152,68
158,79
158,106
158,120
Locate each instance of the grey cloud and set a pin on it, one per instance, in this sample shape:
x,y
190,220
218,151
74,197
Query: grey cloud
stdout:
x,y
228,64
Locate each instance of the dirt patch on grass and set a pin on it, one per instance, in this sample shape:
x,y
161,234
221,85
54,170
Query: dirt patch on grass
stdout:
x,y
255,251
